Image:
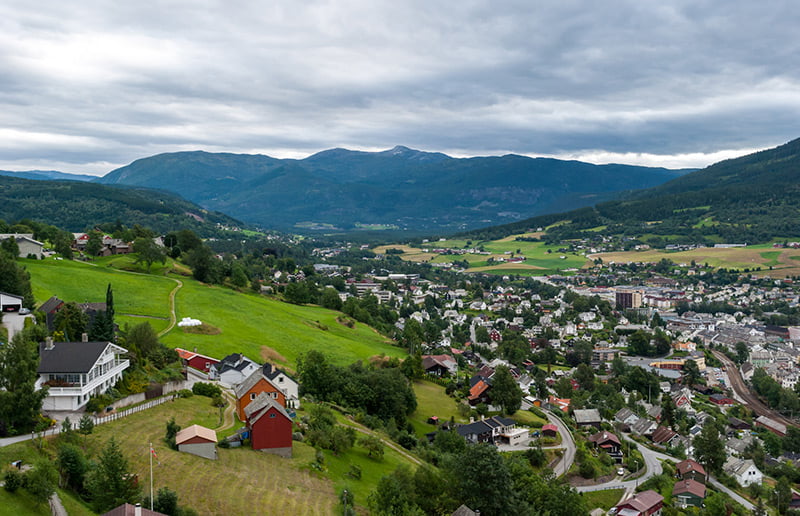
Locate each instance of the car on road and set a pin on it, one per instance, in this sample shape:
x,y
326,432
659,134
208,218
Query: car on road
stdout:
x,y
24,311
621,471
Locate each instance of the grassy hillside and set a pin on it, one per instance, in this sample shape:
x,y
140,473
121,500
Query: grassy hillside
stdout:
x,y
261,328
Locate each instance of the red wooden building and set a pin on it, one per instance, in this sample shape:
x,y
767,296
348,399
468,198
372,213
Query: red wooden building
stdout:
x,y
270,425
196,360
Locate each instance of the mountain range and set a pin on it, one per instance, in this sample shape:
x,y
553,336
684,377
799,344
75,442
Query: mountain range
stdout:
x,y
751,199
400,188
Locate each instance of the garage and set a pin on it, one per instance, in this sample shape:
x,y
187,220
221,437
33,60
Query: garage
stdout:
x,y
10,302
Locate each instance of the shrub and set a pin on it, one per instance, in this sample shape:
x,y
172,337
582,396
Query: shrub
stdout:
x,y
297,436
224,443
354,472
586,470
185,393
206,389
13,479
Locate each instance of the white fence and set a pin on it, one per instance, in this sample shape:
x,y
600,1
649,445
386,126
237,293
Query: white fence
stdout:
x,y
134,410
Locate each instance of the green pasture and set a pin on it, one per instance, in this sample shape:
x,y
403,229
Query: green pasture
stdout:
x,y
137,297
253,324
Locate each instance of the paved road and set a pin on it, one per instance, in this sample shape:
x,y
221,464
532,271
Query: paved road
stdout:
x,y
652,464
743,392
567,443
747,505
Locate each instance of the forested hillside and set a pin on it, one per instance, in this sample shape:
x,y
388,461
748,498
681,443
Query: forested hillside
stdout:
x,y
751,199
76,206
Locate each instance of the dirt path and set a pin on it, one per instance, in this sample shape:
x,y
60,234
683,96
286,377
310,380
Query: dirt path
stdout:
x,y
173,319
228,419
399,449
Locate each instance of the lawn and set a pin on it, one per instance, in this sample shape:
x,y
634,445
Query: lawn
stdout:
x,y
432,401
21,503
283,485
137,297
266,329
528,418
603,499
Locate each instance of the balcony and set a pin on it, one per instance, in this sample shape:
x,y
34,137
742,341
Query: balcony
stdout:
x,y
62,388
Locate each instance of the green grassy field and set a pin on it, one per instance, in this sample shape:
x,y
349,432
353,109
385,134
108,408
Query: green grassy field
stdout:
x,y
21,503
137,297
432,401
603,499
261,328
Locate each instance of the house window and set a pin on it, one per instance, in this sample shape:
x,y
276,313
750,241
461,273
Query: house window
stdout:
x,y
272,415
275,395
280,379
252,395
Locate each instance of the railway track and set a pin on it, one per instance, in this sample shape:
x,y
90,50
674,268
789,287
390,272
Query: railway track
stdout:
x,y
743,391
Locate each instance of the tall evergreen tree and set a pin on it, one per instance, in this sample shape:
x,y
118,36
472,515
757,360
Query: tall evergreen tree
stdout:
x,y
505,391
111,482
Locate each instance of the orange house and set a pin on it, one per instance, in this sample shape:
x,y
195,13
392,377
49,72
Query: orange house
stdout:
x,y
251,387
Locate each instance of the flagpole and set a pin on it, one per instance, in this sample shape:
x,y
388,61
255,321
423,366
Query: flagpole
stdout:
x,y
151,476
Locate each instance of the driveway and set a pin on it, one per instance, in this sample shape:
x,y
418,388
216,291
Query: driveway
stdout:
x,y
14,323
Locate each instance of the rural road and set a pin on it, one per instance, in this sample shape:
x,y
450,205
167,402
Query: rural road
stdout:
x,y
747,505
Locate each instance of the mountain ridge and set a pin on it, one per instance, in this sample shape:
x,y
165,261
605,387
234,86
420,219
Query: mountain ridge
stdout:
x,y
399,187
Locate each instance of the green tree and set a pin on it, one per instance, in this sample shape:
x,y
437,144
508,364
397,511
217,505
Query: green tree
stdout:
x,y
142,339
41,481
166,502
73,466
710,447
20,401
373,445
10,248
505,390
782,495
71,321
668,409
482,480
394,494
691,373
482,335
172,430
111,482
563,387
14,279
584,375
148,252
86,425
742,353
330,299
94,243
62,244
238,275
412,366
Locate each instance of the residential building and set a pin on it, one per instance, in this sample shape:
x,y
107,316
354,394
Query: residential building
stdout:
x,y
646,503
76,371
743,470
197,440
688,492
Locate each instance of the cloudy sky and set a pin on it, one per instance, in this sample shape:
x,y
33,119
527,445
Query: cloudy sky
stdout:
x,y
89,86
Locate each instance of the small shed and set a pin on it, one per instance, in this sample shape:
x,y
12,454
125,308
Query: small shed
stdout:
x,y
198,440
549,430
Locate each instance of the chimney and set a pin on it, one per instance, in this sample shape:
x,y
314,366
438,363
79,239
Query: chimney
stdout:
x,y
137,509
48,343
84,337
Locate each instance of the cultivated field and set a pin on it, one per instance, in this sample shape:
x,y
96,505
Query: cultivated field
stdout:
x,y
784,262
539,258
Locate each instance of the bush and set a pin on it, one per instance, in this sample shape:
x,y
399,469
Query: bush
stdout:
x,y
587,470
297,436
99,403
407,441
354,472
224,443
185,393
206,389
13,480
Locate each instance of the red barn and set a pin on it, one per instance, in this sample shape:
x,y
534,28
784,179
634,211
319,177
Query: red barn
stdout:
x,y
196,360
270,426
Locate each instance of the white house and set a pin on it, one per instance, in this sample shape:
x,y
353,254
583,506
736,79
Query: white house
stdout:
x,y
743,470
76,371
284,383
233,369
27,245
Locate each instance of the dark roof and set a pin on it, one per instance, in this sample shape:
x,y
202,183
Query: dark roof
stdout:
x,y
663,435
50,305
127,509
70,357
463,510
689,486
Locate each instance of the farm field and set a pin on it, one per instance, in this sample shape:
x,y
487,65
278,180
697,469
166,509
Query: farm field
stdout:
x,y
539,257
784,262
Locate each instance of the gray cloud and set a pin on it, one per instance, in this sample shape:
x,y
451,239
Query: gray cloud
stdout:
x,y
90,86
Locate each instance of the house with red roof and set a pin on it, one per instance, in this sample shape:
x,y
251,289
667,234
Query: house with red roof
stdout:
x,y
646,503
689,469
549,430
196,360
